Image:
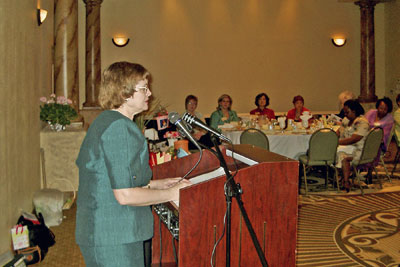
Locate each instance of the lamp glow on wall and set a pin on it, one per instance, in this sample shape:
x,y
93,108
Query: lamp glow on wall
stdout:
x,y
120,41
41,15
339,41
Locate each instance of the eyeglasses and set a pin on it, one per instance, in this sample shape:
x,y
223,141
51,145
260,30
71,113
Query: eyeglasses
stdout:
x,y
143,89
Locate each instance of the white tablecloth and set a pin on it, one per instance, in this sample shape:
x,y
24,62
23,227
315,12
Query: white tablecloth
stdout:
x,y
288,145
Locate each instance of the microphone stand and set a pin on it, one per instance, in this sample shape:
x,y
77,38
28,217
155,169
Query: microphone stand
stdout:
x,y
234,190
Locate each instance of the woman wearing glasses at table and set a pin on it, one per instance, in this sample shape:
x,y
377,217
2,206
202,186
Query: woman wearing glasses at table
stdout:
x,y
191,105
297,111
223,114
115,191
352,135
262,102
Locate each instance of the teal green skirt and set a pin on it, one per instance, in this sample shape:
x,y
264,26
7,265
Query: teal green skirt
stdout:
x,y
131,255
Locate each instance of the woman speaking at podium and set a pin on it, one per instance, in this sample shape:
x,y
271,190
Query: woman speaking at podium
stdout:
x,y
115,191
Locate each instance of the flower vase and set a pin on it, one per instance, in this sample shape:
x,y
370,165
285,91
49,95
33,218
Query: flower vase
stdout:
x,y
56,127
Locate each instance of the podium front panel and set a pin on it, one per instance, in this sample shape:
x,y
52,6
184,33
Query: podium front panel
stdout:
x,y
270,192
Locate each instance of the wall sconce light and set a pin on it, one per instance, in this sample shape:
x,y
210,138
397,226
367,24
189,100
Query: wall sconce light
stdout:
x,y
339,42
120,41
41,15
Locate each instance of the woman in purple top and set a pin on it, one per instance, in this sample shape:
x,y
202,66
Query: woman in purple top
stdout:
x,y
381,117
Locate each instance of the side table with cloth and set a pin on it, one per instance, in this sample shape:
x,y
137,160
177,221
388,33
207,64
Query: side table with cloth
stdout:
x,y
60,150
286,144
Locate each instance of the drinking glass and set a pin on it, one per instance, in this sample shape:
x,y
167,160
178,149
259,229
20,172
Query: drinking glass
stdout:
x,y
304,123
253,123
282,125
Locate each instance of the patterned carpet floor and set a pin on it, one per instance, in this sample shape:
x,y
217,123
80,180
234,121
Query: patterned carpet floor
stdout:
x,y
349,230
334,229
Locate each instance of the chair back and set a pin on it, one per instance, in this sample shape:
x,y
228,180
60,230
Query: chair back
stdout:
x,y
371,146
323,146
390,137
396,138
254,137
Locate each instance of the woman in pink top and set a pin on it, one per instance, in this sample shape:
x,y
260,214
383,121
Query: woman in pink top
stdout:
x,y
262,102
297,111
381,117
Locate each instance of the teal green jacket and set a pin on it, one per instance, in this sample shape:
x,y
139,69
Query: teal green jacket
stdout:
x,y
113,155
216,118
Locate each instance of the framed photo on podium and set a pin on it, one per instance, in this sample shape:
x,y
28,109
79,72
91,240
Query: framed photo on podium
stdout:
x,y
162,122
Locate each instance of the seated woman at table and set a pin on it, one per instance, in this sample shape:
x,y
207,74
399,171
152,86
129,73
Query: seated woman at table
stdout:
x,y
352,135
223,114
297,111
262,102
190,106
343,97
381,117
396,117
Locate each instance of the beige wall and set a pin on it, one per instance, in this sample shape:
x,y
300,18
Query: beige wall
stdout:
x,y
392,47
241,48
25,56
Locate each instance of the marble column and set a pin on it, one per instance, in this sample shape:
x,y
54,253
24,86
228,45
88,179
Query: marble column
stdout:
x,y
93,57
66,80
367,75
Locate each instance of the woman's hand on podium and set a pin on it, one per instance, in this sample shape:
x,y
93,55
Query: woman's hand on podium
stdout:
x,y
165,183
179,183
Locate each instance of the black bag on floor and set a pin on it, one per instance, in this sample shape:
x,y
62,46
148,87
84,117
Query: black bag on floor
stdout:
x,y
31,255
39,236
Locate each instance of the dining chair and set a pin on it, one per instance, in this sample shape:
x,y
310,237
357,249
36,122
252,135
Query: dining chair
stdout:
x,y
321,152
397,157
369,153
254,137
383,154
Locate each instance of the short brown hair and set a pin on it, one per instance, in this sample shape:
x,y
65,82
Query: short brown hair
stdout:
x,y
119,81
190,97
298,98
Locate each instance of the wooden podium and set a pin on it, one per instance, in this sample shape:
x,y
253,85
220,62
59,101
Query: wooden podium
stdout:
x,y
270,190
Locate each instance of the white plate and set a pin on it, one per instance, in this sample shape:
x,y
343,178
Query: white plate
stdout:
x,y
226,126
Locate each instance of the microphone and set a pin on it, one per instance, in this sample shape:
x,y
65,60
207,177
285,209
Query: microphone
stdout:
x,y
176,119
193,120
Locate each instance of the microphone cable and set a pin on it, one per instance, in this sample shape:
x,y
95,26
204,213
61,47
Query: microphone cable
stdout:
x,y
219,239
160,232
194,167
174,250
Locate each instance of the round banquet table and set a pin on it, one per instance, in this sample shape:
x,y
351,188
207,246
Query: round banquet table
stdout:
x,y
290,145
